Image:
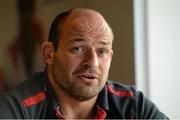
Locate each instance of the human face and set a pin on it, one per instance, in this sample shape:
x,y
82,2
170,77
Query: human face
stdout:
x,y
82,61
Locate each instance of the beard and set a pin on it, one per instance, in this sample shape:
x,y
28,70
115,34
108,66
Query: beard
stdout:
x,y
79,90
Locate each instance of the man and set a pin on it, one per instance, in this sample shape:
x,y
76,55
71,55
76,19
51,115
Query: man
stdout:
x,y
74,84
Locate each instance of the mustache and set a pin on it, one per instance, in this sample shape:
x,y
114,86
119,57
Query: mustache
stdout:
x,y
89,70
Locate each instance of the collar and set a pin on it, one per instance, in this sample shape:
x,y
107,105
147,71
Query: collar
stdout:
x,y
102,105
102,101
51,97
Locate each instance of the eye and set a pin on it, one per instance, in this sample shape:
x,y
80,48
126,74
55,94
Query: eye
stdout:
x,y
77,49
102,52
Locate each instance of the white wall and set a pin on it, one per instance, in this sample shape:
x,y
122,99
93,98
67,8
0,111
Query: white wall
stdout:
x,y
163,54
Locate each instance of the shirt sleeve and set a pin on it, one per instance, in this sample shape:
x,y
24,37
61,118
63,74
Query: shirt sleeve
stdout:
x,y
146,109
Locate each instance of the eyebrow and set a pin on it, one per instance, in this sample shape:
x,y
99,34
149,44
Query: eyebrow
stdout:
x,y
104,42
84,40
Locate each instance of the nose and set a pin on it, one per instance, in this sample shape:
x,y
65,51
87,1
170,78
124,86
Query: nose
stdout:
x,y
91,59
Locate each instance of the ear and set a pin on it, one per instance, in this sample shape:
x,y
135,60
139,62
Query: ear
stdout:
x,y
111,54
48,52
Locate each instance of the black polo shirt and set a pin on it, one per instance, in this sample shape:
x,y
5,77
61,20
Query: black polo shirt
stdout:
x,y
35,98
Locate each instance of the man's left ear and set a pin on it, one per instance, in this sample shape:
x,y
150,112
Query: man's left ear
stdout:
x,y
111,55
48,52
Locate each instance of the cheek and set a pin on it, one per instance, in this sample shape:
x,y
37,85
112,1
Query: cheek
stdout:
x,y
106,70
105,66
68,64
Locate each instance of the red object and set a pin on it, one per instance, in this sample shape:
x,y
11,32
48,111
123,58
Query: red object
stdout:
x,y
34,99
58,114
100,114
120,92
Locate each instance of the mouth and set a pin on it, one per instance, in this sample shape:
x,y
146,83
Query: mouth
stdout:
x,y
87,77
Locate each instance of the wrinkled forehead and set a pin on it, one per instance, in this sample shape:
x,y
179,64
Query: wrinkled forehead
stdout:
x,y
87,20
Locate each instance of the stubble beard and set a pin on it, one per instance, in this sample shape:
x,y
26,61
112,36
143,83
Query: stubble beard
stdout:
x,y
77,89
81,92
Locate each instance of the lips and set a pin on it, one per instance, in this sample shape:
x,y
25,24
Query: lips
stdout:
x,y
87,76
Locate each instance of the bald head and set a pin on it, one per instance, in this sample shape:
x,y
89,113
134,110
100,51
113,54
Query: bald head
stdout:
x,y
79,20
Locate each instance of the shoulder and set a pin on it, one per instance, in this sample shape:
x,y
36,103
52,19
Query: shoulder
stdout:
x,y
14,101
28,88
131,102
120,99
119,89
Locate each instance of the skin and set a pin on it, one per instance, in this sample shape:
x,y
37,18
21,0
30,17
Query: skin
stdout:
x,y
79,68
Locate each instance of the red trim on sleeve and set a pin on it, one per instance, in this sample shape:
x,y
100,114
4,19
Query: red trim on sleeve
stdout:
x,y
34,99
119,92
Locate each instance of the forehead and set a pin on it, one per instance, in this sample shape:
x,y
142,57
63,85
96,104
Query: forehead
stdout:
x,y
88,23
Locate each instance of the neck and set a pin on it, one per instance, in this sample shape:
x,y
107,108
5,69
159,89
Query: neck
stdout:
x,y
71,107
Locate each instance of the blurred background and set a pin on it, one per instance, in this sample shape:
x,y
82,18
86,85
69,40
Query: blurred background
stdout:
x,y
146,45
